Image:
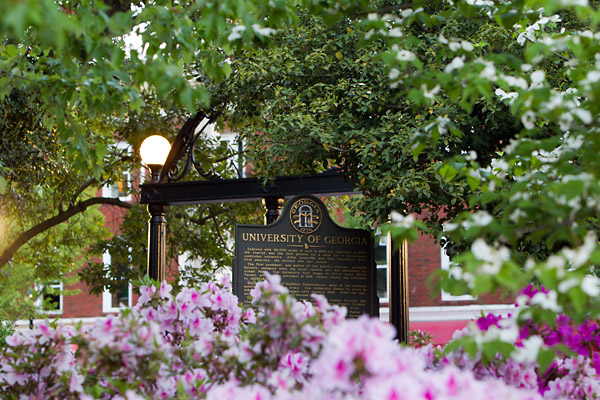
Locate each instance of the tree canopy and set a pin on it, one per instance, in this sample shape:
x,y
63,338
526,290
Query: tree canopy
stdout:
x,y
322,97
479,113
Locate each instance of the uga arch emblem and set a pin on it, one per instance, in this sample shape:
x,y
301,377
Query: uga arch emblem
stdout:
x,y
305,215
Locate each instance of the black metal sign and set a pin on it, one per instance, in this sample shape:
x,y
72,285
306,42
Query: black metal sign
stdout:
x,y
312,254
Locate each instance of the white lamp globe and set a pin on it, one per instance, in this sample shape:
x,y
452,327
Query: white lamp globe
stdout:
x,y
154,150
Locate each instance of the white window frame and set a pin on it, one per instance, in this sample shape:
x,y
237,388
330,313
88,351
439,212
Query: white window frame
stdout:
x,y
39,302
107,305
445,261
232,142
112,191
384,240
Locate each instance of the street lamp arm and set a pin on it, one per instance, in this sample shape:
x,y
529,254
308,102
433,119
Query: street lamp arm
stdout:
x,y
184,143
61,217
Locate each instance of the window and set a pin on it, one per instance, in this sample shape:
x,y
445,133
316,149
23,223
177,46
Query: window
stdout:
x,y
382,262
118,299
122,188
50,300
446,265
234,145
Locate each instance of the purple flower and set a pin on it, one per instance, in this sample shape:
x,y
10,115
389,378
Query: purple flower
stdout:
x,y
484,323
585,340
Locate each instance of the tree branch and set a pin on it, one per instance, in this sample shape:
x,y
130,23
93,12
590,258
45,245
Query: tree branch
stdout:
x,y
221,236
61,217
202,220
80,190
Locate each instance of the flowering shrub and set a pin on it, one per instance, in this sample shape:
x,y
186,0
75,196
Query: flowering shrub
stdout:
x,y
572,374
419,338
200,344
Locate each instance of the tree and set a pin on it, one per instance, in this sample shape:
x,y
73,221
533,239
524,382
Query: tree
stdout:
x,y
47,207
322,97
71,79
497,134
53,229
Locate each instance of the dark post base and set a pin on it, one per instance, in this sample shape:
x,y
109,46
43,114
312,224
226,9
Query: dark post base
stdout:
x,y
399,292
157,231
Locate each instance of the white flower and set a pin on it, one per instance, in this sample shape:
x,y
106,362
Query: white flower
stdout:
x,y
480,3
489,72
401,220
564,121
442,124
537,77
568,284
457,63
517,214
591,78
236,33
263,31
582,3
530,349
571,142
479,218
475,173
430,94
506,96
467,46
515,81
408,12
584,115
555,262
472,156
526,67
454,46
546,301
590,285
528,119
499,165
449,226
394,74
395,32
493,258
405,55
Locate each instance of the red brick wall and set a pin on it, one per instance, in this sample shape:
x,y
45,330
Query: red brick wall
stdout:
x,y
424,258
84,304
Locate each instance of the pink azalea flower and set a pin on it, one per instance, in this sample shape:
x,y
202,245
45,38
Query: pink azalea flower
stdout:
x,y
165,290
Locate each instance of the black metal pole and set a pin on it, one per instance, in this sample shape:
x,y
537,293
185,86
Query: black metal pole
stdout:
x,y
273,206
399,292
157,248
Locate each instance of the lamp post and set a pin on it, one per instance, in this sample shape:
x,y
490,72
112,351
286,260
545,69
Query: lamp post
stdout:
x,y
154,151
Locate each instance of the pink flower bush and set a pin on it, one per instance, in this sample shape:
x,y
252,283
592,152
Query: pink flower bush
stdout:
x,y
574,374
199,343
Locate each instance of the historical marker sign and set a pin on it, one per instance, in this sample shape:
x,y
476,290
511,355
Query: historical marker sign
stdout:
x,y
312,254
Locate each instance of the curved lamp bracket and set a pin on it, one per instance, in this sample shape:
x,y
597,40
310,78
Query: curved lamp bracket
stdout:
x,y
184,143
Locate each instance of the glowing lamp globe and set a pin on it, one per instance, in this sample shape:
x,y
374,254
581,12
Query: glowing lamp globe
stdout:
x,y
154,150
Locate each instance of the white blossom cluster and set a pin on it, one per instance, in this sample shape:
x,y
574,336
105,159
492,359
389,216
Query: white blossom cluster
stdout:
x,y
393,24
531,32
236,31
493,257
